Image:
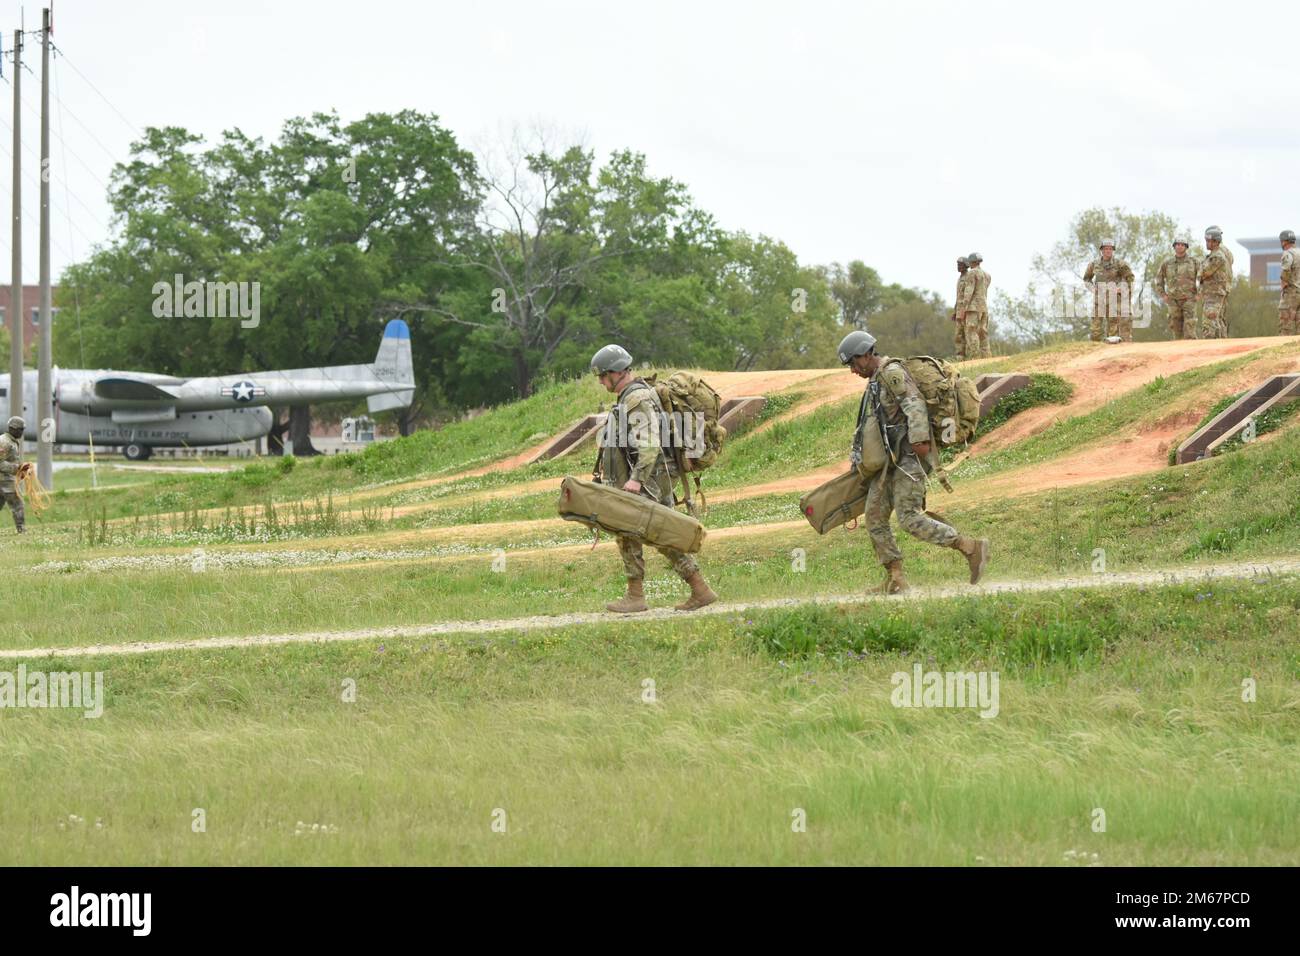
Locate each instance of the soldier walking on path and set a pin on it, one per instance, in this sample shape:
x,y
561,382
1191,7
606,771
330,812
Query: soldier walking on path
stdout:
x,y
895,404
1112,303
1176,286
632,458
11,462
1213,279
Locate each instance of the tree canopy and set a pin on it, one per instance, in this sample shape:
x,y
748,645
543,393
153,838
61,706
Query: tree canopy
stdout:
x,y
506,266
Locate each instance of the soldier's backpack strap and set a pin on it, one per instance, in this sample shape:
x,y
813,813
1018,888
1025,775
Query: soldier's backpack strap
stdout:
x,y
691,509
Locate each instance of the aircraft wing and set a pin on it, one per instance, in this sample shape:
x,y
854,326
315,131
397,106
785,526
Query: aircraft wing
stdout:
x,y
128,388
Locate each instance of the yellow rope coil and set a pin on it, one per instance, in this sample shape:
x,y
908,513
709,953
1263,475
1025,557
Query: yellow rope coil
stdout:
x,y
30,489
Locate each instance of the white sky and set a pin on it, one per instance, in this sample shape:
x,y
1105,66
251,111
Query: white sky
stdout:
x,y
902,135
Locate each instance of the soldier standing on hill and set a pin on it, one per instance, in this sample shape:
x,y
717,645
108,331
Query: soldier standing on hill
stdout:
x,y
632,458
1112,291
973,308
892,397
959,334
11,461
1288,306
1227,294
1213,279
1176,286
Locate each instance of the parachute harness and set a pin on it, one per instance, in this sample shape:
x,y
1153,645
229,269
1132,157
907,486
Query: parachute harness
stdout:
x,y
885,430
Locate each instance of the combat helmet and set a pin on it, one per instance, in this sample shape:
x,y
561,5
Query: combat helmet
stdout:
x,y
974,257
854,344
1213,232
1287,235
963,261
17,424
1106,241
612,358
1182,239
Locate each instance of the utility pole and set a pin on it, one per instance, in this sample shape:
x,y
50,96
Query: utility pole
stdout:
x,y
16,289
44,383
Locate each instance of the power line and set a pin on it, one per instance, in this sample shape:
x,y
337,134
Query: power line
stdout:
x,y
76,292
83,76
89,212
89,132
84,164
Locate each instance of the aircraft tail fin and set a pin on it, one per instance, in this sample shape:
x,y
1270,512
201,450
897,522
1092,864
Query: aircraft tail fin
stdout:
x,y
394,367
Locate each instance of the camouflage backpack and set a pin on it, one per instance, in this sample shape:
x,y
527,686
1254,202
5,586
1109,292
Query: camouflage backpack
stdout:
x,y
951,402
693,437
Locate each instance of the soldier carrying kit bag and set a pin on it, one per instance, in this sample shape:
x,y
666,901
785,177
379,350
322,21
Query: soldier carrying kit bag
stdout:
x,y
953,408
606,508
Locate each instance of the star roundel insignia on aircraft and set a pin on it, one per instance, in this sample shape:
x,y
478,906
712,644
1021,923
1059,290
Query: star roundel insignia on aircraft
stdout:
x,y
244,391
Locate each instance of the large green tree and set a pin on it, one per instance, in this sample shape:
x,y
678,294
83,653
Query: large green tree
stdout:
x,y
860,293
557,234
331,220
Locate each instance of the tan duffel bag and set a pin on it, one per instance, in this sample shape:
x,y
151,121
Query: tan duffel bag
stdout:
x,y
843,499
835,502
621,512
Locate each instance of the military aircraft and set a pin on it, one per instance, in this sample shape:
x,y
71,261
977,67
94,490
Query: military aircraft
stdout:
x,y
140,411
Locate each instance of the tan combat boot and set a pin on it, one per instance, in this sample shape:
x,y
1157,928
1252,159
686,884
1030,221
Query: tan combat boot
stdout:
x,y
701,593
632,601
895,583
977,554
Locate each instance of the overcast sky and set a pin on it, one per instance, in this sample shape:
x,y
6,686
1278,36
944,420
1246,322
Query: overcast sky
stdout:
x,y
900,134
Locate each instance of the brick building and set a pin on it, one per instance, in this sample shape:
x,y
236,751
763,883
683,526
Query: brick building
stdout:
x,y
1265,261
31,315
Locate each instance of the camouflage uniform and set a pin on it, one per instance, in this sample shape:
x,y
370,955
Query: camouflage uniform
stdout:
x,y
1227,293
11,456
982,328
900,487
959,332
635,420
1176,282
973,311
1288,306
1111,298
1214,277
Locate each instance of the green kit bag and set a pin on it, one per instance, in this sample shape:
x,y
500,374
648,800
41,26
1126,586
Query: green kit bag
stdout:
x,y
835,502
688,398
620,512
951,402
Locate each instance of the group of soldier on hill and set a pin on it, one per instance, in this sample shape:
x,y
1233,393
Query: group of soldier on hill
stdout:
x,y
1180,283
971,312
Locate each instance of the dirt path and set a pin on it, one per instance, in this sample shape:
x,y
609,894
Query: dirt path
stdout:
x,y
1235,571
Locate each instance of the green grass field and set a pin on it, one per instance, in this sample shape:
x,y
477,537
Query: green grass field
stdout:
x,y
761,736
1139,715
